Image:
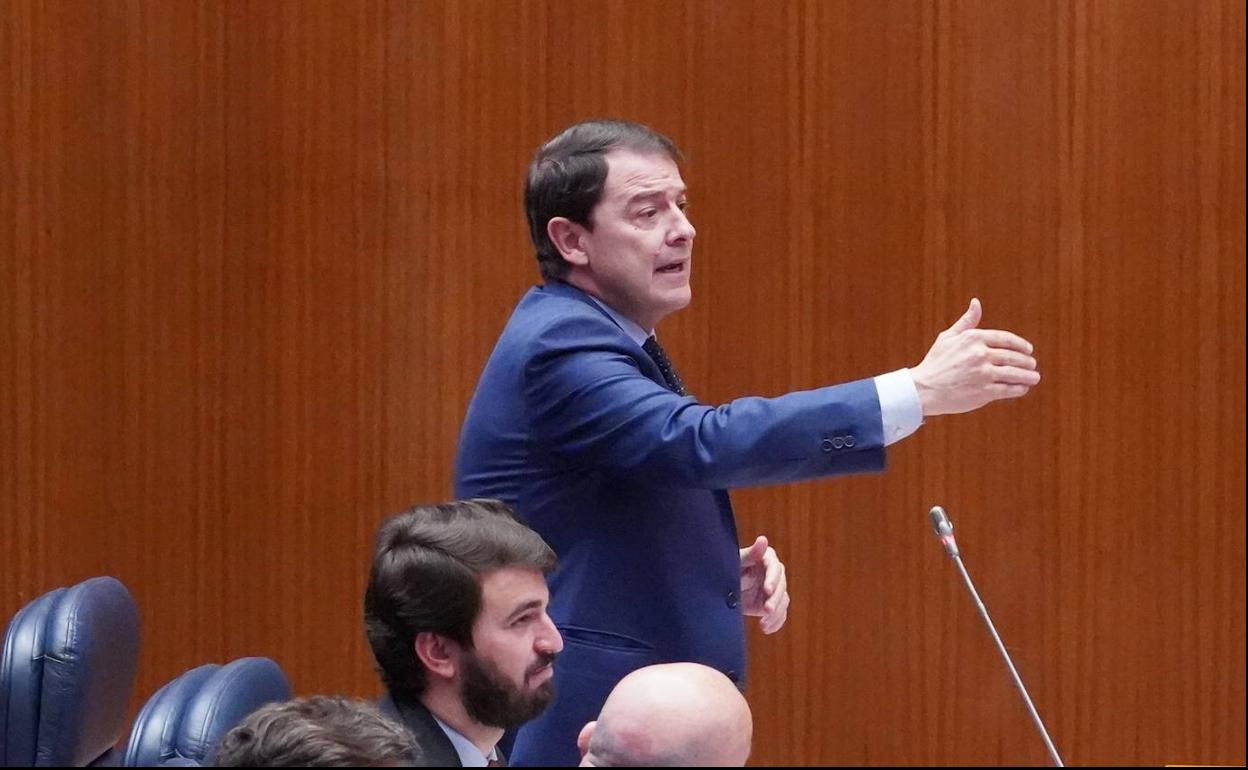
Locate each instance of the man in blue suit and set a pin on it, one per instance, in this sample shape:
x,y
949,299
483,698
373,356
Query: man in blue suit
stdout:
x,y
582,424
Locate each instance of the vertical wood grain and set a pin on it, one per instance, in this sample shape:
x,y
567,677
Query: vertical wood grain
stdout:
x,y
253,256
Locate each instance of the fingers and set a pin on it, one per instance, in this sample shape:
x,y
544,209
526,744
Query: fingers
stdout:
x,y
754,554
999,391
1009,357
774,620
774,579
1004,357
969,319
996,338
776,589
1012,375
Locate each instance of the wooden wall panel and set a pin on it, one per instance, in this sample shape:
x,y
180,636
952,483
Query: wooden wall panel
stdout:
x,y
254,254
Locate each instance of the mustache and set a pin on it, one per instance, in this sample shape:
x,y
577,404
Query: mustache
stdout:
x,y
543,660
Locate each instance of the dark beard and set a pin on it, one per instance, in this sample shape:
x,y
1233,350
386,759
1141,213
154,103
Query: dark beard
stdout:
x,y
493,701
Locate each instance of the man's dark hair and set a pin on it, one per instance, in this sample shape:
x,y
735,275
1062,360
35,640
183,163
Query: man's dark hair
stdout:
x,y
426,577
320,731
568,173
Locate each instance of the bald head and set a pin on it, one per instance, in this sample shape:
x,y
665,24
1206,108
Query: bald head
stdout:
x,y
673,715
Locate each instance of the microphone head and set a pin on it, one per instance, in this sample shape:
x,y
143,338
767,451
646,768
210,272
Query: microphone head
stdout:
x,y
940,522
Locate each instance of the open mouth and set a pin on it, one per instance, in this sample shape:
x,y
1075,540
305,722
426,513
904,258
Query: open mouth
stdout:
x,y
672,269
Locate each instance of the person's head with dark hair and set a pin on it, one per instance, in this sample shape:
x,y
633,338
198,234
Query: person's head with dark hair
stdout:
x,y
606,211
455,612
670,715
319,731
567,176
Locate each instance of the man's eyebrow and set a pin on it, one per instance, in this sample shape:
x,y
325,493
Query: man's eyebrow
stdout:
x,y
523,608
680,191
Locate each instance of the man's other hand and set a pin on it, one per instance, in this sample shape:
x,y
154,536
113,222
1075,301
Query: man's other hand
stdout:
x,y
764,587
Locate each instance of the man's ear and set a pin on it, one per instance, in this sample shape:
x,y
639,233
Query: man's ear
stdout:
x,y
587,734
569,238
437,653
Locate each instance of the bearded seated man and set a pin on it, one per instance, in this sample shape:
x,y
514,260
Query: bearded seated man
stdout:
x,y
455,612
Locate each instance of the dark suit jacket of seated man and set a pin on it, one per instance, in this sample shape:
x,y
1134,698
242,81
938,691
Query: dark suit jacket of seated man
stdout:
x,y
582,424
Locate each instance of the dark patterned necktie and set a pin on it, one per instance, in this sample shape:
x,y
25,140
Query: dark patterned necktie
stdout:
x,y
656,352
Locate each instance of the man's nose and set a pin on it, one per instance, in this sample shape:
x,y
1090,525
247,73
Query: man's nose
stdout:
x,y
683,230
550,641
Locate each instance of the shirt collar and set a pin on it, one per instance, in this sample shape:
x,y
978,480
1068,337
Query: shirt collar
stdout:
x,y
634,332
469,754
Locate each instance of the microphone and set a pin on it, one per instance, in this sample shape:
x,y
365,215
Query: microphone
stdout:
x,y
943,528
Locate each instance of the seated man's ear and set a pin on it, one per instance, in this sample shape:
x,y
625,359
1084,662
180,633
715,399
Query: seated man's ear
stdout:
x,y
437,653
587,734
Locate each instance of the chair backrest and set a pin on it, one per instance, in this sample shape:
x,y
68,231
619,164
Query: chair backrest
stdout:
x,y
66,675
185,719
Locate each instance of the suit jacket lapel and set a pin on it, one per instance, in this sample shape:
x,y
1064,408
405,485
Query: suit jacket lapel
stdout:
x,y
436,748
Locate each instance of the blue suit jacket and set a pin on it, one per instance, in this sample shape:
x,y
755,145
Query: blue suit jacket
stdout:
x,y
571,425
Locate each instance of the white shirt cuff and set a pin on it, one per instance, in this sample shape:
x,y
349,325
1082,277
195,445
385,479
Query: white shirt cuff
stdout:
x,y
900,409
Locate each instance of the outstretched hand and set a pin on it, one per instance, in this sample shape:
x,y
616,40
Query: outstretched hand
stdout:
x,y
968,367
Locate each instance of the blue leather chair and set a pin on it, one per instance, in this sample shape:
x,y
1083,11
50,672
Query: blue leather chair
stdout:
x,y
66,676
182,723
